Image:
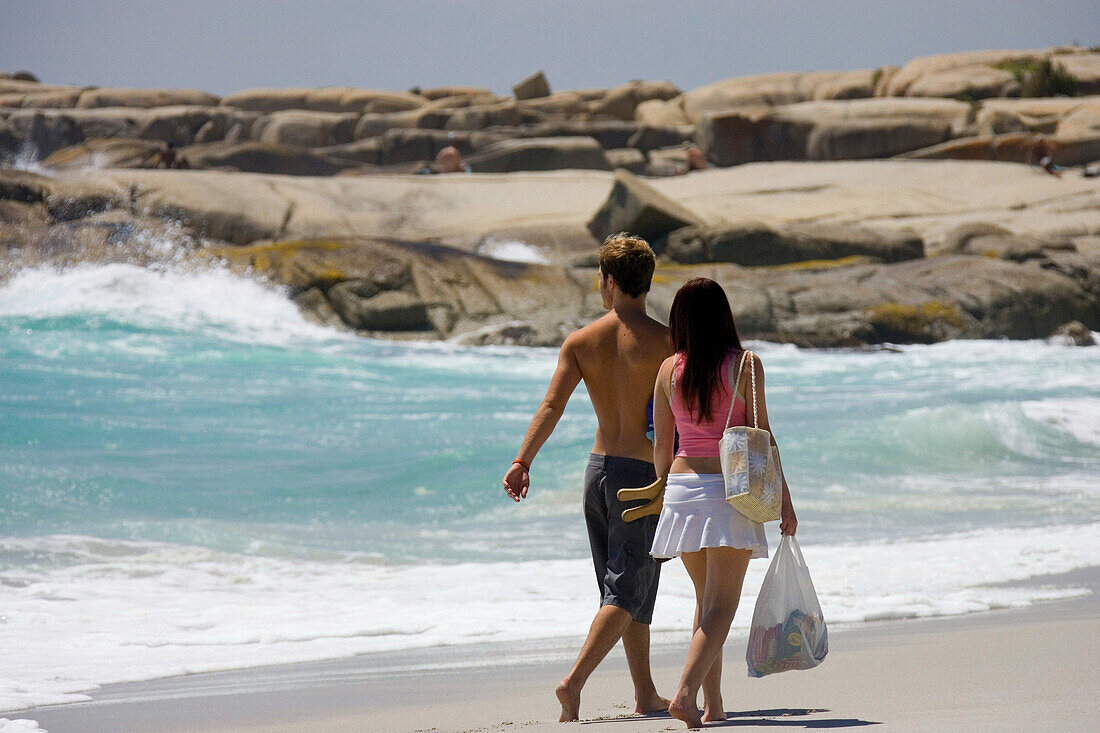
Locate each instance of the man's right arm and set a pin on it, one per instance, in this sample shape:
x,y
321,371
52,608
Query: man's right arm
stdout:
x,y
566,377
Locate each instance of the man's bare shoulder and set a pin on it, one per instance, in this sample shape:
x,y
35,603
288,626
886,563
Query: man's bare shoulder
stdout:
x,y
594,332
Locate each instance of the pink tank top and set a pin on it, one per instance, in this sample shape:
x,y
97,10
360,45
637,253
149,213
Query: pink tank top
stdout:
x,y
700,439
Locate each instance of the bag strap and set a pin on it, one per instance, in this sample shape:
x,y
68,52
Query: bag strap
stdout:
x,y
746,354
755,400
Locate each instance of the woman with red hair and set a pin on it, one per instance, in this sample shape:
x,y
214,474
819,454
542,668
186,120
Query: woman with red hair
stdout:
x,y
693,396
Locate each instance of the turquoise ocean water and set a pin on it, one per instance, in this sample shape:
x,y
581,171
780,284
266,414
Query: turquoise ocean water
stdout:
x,y
192,477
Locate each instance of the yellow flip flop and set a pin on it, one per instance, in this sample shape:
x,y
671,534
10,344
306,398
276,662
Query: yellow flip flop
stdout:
x,y
655,492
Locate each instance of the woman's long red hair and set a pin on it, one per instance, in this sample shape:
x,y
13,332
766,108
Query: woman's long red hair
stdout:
x,y
702,329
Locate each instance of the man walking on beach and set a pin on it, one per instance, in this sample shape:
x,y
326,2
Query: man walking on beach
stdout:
x,y
617,356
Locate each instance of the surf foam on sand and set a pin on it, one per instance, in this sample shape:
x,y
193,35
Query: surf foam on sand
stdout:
x,y
89,612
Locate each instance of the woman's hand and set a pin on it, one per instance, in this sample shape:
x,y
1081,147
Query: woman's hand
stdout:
x,y
788,522
516,482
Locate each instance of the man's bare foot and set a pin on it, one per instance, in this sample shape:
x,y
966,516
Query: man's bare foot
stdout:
x,y
570,702
654,704
686,711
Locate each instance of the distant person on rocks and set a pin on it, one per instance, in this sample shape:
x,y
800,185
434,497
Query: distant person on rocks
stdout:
x,y
449,159
617,356
1041,153
167,157
696,161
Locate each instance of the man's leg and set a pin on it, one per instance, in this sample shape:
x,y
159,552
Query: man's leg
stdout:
x,y
635,576
607,628
636,645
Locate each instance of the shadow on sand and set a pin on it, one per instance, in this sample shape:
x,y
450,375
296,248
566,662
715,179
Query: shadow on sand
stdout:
x,y
777,717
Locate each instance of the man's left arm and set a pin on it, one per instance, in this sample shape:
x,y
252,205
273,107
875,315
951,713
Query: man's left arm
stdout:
x,y
566,377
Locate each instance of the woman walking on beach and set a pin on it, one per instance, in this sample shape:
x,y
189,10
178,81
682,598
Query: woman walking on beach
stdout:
x,y
692,396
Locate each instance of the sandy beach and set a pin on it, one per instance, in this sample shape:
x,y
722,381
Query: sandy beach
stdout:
x,y
1014,669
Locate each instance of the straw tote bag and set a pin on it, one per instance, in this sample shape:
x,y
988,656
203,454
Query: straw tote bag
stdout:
x,y
750,463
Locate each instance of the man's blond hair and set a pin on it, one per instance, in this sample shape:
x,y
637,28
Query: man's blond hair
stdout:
x,y
630,260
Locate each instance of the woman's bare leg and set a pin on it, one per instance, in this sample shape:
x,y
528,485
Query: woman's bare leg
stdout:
x,y
696,565
725,574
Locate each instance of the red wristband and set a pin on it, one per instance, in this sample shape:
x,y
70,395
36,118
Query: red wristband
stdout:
x,y
525,464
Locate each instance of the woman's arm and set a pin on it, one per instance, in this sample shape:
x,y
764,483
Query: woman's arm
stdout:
x,y
788,522
664,424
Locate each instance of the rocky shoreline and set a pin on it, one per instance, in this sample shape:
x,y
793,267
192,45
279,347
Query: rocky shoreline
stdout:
x,y
837,209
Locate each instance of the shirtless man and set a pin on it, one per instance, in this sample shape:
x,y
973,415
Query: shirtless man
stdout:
x,y
617,356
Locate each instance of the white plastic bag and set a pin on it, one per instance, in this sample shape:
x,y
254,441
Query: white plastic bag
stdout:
x,y
788,630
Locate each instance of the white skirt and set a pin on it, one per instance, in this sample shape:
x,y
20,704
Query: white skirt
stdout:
x,y
695,515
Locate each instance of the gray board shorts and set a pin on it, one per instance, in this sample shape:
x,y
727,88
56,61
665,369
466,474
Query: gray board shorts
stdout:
x,y
625,572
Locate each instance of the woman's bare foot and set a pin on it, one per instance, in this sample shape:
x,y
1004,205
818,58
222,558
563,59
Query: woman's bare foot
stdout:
x,y
654,704
713,710
570,702
686,711
711,716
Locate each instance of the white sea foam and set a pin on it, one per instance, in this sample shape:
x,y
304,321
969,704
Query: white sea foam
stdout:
x,y
512,250
89,612
1080,417
20,726
213,300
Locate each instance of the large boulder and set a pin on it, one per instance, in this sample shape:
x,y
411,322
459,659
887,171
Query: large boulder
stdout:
x,y
998,121
1081,122
324,99
559,105
436,93
1084,67
979,74
1076,147
1017,301
540,154
104,153
177,125
504,114
830,130
55,99
390,287
533,86
305,129
651,138
50,130
1010,147
622,101
856,84
753,245
766,90
109,97
408,146
22,86
630,159
367,151
966,82
608,133
636,207
917,301
426,118
261,157
657,113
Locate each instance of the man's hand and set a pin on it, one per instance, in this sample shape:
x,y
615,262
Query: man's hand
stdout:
x,y
516,482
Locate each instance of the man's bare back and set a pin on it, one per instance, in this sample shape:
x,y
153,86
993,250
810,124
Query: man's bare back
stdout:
x,y
618,357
